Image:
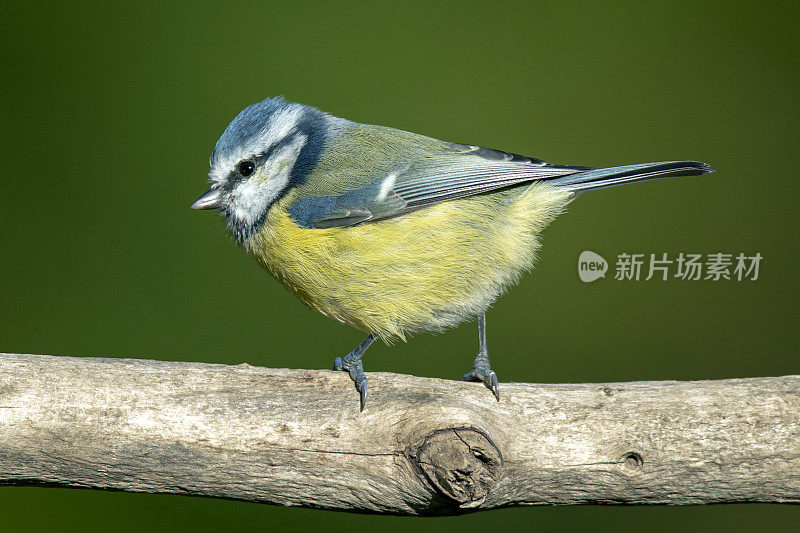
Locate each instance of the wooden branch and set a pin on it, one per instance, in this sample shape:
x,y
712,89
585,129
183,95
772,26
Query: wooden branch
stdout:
x,y
423,446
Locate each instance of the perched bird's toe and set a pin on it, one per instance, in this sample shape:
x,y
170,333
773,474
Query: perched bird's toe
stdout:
x,y
483,373
363,390
493,385
353,366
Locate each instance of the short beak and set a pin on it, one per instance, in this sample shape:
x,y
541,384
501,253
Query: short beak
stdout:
x,y
209,200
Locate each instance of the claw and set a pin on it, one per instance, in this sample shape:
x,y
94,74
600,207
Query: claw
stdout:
x,y
493,385
361,384
363,390
481,372
352,364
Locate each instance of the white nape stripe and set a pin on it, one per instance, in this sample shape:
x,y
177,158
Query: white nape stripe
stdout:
x,y
278,127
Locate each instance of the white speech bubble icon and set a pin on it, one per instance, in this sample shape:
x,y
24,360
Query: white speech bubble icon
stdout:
x,y
591,266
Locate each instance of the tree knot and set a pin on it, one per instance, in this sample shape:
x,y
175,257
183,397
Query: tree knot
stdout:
x,y
461,464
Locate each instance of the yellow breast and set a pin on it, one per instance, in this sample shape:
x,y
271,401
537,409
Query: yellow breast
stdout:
x,y
423,271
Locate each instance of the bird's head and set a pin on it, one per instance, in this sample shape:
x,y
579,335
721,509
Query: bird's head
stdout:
x,y
266,150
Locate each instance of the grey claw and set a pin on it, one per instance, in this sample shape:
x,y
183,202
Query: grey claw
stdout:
x,y
494,386
363,391
356,372
490,379
352,363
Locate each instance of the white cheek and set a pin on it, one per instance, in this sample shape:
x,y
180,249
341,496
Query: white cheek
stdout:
x,y
252,197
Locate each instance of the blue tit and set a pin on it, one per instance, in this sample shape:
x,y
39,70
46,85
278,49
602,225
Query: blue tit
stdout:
x,y
391,232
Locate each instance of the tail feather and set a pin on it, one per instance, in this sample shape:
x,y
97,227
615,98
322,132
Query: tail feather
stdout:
x,y
611,176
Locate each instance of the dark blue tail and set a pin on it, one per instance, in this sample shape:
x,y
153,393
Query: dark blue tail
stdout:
x,y
611,176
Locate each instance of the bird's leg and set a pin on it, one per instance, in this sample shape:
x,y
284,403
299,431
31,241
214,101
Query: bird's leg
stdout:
x,y
352,364
481,370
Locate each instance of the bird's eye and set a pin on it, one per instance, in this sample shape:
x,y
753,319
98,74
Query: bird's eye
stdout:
x,y
246,168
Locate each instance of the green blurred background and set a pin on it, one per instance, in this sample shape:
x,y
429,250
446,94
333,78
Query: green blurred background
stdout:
x,y
109,114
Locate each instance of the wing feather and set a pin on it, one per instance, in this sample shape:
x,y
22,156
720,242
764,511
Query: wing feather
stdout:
x,y
426,172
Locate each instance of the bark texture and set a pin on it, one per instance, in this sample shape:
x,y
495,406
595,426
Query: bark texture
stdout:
x,y
423,446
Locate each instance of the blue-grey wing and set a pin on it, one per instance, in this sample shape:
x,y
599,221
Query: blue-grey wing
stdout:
x,y
477,170
422,173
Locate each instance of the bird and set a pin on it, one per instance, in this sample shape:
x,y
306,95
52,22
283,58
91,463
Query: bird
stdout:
x,y
391,232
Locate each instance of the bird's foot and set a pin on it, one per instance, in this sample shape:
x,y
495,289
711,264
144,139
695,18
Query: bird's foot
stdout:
x,y
481,371
356,369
